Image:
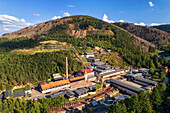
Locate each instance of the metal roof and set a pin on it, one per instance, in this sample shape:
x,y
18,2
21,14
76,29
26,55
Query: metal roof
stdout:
x,y
126,90
94,103
121,97
69,93
104,67
19,93
125,85
141,83
1,96
58,94
113,72
80,91
98,63
146,81
7,93
135,75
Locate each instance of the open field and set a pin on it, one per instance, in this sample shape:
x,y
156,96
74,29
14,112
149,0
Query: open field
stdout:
x,y
46,46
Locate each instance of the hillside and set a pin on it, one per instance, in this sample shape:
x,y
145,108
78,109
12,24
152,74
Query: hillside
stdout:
x,y
78,26
37,56
70,25
165,28
156,36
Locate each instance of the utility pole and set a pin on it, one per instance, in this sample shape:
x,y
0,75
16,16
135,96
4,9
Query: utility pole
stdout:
x,y
66,68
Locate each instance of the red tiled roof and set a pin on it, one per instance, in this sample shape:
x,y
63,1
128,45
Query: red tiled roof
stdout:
x,y
87,70
42,83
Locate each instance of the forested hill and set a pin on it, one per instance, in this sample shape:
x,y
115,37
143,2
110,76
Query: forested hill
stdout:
x,y
156,36
165,28
78,26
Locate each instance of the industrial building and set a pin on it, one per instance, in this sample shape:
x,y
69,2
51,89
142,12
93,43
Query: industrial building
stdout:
x,y
67,93
110,73
98,64
81,92
58,94
129,89
9,93
48,87
93,59
146,81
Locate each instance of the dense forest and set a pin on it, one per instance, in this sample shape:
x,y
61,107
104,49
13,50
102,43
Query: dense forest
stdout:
x,y
18,105
23,69
157,101
156,36
165,28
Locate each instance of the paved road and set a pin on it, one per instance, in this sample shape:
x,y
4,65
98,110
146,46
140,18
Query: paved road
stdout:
x,y
166,80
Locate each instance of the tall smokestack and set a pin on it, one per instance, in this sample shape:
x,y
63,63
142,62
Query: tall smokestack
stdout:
x,y
66,68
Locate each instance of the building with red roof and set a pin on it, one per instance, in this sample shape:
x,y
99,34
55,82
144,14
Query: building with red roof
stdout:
x,y
88,74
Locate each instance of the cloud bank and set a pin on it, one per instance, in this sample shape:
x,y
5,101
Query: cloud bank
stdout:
x,y
10,23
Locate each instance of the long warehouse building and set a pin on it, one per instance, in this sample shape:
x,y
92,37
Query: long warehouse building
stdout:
x,y
150,82
124,85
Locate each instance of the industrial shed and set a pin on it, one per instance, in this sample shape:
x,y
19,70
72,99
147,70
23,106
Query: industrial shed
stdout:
x,y
7,94
69,94
81,92
126,86
150,82
19,93
58,94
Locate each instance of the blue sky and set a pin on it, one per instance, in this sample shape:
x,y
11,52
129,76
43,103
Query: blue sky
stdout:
x,y
16,14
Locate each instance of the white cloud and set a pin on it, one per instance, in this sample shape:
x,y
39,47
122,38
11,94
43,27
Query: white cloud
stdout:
x,y
140,24
105,18
36,14
6,29
121,20
22,20
11,23
66,14
56,17
157,24
70,5
151,4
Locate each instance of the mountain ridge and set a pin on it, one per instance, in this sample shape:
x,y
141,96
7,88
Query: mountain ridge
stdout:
x,y
78,26
158,37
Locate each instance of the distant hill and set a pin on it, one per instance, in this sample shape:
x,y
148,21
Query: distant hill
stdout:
x,y
165,28
78,26
156,36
